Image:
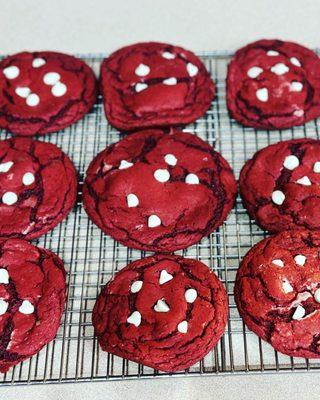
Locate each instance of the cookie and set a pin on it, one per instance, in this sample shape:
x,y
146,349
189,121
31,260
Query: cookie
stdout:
x,y
43,92
277,292
159,190
280,185
273,84
32,299
154,84
38,187
166,312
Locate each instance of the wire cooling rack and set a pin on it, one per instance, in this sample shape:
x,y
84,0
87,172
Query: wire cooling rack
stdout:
x,y
91,258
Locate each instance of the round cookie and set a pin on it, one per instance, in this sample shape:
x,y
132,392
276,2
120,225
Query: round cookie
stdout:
x,y
154,84
38,187
273,84
43,92
277,292
165,311
32,300
159,190
280,185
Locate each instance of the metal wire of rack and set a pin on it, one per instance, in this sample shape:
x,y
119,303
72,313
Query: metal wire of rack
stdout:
x,y
91,258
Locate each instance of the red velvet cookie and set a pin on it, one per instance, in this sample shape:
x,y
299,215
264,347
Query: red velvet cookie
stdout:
x,y
154,84
38,187
280,185
44,91
277,292
32,299
158,190
273,85
166,312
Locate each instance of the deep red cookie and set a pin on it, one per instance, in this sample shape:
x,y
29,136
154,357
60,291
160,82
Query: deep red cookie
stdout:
x,y
154,84
159,191
32,299
277,292
280,185
166,312
43,92
38,187
273,85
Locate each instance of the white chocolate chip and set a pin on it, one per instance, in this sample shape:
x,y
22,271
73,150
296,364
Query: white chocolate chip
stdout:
x,y
136,286
154,221
132,200
295,61
11,72
140,86
170,81
300,259
190,295
162,175
272,53
278,262
168,55
33,100
3,306
4,167
164,277
254,72
278,197
23,92
299,313
317,295
298,113
302,296
262,94
192,179
287,288
38,62
9,198
125,164
305,181
170,159
4,276
135,318
59,89
28,178
279,69
291,162
161,306
142,70
296,86
192,69
316,167
51,78
183,327
26,307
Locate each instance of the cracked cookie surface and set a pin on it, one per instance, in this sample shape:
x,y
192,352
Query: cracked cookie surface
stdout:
x,y
165,311
32,300
154,84
38,187
277,292
44,92
280,185
159,190
273,84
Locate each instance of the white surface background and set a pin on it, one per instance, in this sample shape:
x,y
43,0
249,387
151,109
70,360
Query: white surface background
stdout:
x,y
103,26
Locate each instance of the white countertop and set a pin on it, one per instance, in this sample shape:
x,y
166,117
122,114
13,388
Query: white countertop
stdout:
x,y
241,387
103,26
